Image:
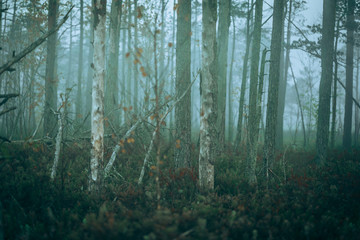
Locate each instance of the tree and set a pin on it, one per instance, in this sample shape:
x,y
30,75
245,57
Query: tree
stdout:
x,y
254,79
111,85
183,75
50,120
97,110
327,49
208,86
244,76
80,64
283,82
222,55
350,26
274,77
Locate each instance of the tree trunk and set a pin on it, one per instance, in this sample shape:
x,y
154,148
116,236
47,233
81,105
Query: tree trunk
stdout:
x,y
244,79
111,85
356,137
222,56
350,22
208,86
254,78
183,75
273,92
136,73
78,109
88,95
50,120
97,111
283,83
230,116
334,97
327,51
129,63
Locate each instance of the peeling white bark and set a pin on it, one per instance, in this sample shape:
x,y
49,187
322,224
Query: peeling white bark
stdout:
x,y
208,112
57,147
97,111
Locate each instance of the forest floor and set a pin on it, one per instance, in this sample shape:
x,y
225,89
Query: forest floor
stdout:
x,y
302,201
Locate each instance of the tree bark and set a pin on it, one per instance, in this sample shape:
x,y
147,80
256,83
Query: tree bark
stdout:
x,y
327,51
273,92
208,86
111,84
334,97
350,25
230,114
254,79
78,108
283,83
183,75
222,56
244,78
97,111
51,80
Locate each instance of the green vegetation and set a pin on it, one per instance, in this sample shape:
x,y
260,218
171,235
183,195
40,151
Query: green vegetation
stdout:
x,y
312,202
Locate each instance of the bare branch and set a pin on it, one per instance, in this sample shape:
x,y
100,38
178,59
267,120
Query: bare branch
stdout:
x,y
34,45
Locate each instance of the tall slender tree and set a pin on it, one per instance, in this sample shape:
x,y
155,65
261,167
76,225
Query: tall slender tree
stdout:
x,y
350,26
97,111
222,56
274,77
80,64
208,86
183,75
253,104
50,120
327,51
111,84
244,76
283,80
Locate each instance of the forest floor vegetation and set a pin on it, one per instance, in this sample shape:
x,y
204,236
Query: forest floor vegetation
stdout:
x,y
300,201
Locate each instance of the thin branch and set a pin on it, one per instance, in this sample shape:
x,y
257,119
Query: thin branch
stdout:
x,y
34,45
7,110
157,129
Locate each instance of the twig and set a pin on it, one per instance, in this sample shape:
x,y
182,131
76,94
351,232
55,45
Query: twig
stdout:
x,y
157,129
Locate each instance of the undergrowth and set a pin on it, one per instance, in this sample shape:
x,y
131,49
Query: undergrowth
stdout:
x,y
301,201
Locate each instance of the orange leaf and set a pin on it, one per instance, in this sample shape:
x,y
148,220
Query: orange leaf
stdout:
x,y
142,69
123,150
125,109
170,44
127,54
144,74
153,167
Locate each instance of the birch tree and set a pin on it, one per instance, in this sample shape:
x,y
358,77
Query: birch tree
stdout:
x,y
97,111
208,86
183,72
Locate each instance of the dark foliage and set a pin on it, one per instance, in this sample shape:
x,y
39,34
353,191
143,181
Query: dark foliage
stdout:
x,y
306,203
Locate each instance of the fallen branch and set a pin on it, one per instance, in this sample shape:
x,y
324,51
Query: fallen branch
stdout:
x,y
34,45
157,129
57,146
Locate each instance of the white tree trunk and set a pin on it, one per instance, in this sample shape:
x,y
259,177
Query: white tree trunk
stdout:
x,y
97,111
208,86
